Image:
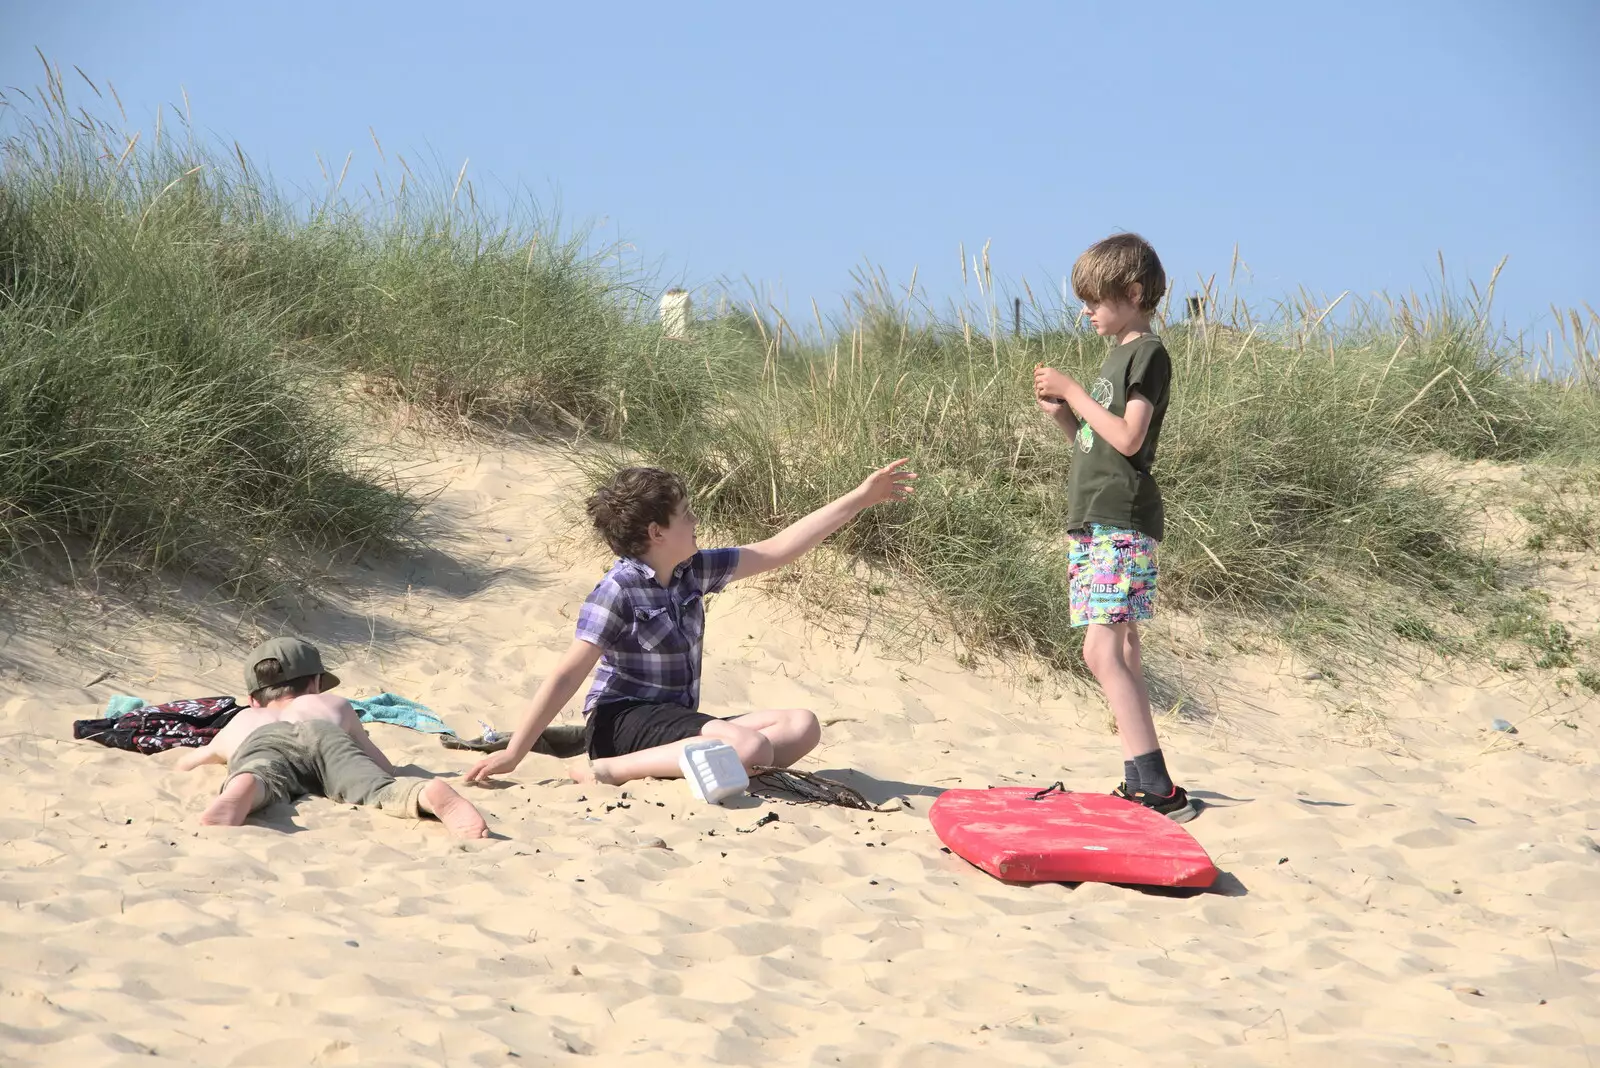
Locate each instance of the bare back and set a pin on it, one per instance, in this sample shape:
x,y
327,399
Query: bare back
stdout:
x,y
311,707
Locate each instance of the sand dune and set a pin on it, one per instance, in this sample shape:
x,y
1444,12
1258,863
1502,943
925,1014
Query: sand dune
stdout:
x,y
1401,885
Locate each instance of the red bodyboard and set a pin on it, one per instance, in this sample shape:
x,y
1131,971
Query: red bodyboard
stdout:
x,y
1068,837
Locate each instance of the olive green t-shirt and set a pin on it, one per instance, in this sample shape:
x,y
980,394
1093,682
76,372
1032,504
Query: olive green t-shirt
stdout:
x,y
1105,486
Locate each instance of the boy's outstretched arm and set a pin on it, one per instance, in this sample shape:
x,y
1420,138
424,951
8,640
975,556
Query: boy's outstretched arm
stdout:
x,y
889,483
1125,433
556,690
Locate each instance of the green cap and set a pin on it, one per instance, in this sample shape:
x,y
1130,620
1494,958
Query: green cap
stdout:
x,y
296,659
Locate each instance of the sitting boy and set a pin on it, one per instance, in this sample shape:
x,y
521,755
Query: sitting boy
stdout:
x,y
644,623
295,739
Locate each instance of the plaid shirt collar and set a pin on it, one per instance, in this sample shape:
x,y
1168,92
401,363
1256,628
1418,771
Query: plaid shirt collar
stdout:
x,y
638,567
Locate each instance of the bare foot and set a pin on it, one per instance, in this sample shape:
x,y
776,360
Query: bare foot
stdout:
x,y
234,804
454,811
593,771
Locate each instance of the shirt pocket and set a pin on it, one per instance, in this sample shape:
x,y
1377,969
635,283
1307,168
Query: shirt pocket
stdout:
x,y
692,614
652,627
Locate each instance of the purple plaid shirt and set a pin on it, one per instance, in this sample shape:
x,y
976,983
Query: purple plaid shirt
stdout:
x,y
649,634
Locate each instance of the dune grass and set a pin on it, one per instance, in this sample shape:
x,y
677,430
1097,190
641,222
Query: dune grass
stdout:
x,y
149,411
181,339
182,343
1289,463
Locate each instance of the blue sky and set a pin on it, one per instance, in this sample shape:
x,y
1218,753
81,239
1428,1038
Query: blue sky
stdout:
x,y
1339,145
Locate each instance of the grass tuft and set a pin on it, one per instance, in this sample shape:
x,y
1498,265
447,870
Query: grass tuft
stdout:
x,y
149,408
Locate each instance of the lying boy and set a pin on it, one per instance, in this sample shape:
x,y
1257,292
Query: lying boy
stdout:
x,y
644,623
296,739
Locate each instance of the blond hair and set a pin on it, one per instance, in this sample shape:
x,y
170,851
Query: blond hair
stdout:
x,y
1110,267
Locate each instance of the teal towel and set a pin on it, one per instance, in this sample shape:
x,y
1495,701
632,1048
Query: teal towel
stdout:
x,y
384,708
400,711
121,704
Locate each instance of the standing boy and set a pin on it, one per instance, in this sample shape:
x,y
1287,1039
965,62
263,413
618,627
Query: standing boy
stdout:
x,y
643,625
1114,513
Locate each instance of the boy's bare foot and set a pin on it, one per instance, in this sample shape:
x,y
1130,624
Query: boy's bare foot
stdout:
x,y
593,771
454,811
232,806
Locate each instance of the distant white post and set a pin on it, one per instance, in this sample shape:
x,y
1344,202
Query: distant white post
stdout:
x,y
675,312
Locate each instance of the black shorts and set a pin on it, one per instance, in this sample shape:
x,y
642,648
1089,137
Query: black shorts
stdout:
x,y
619,727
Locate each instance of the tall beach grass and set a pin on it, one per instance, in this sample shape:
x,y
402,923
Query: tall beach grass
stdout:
x,y
148,412
181,340
1290,463
182,343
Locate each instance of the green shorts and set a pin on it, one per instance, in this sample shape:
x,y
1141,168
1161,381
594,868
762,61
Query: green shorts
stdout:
x,y
291,760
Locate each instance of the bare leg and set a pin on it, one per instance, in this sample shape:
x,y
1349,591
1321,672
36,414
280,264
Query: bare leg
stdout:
x,y
242,796
661,762
1133,656
1108,649
793,732
458,814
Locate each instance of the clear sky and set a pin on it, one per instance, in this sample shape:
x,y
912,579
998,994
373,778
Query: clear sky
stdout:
x,y
1339,145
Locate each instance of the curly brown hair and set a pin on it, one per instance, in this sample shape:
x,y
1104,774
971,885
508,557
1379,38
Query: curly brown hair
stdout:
x,y
1109,267
623,509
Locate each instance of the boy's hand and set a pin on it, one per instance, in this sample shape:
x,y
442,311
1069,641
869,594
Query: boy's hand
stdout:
x,y
498,764
1051,406
1050,384
887,484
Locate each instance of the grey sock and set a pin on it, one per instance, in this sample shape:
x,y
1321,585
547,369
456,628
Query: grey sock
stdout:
x,y
1130,775
1152,771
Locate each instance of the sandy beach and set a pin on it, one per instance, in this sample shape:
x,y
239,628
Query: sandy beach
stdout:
x,y
1401,884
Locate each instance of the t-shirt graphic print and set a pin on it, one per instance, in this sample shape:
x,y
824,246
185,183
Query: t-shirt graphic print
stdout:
x,y
1103,393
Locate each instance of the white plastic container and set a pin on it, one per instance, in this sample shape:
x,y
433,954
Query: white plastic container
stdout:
x,y
712,770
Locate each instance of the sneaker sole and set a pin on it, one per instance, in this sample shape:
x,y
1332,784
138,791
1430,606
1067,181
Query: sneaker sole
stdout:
x,y
1184,814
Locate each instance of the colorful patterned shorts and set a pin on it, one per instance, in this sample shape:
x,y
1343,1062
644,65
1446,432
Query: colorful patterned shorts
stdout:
x,y
1112,576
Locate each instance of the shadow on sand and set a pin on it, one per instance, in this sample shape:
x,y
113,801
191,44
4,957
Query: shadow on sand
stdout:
x,y
878,791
